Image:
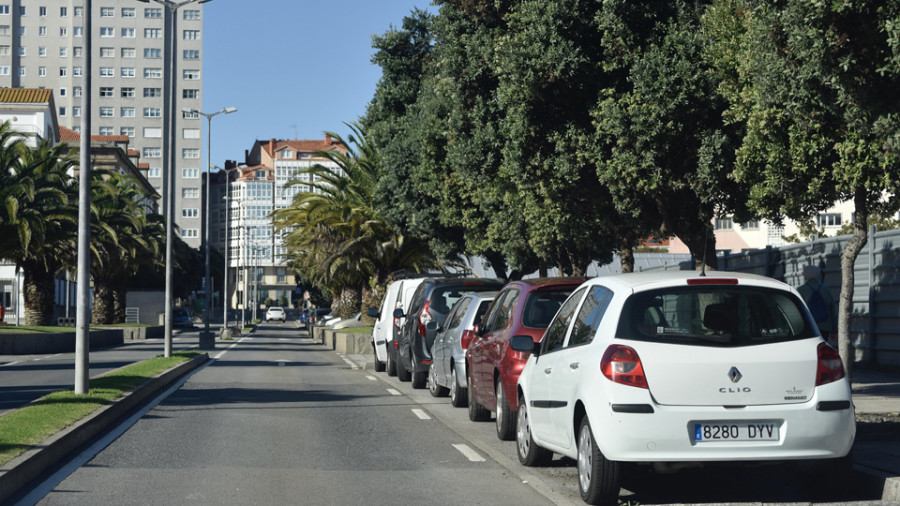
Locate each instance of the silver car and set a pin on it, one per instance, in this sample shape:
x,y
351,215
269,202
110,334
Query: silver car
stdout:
x,y
448,366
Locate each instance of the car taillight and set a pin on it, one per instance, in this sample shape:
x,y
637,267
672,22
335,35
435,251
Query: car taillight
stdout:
x,y
830,367
621,364
466,338
397,305
424,318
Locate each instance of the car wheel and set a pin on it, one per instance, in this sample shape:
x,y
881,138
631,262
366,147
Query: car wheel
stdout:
x,y
530,454
403,374
506,423
391,365
379,365
433,387
458,395
419,378
598,478
477,412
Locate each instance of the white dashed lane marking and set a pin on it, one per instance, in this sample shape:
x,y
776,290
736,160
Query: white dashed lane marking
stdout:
x,y
393,392
421,414
469,453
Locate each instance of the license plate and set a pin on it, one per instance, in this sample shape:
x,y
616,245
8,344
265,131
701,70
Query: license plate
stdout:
x,y
740,431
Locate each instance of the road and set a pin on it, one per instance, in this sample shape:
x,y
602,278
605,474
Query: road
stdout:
x,y
278,419
24,378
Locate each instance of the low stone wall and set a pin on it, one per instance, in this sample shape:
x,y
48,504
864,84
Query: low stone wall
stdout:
x,y
353,344
61,342
139,333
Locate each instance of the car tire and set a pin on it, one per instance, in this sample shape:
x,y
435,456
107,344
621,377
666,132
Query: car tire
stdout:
x,y
419,379
530,454
477,412
433,388
598,478
391,365
379,365
506,422
403,374
459,397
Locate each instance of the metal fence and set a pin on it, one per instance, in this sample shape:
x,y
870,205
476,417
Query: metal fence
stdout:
x,y
875,321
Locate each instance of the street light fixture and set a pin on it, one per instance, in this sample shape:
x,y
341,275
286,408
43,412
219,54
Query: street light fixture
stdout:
x,y
169,158
227,246
206,340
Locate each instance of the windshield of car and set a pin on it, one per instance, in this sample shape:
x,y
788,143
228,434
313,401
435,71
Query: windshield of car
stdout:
x,y
444,297
725,316
540,306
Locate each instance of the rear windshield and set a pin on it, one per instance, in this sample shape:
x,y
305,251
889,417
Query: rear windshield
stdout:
x,y
541,306
444,297
725,316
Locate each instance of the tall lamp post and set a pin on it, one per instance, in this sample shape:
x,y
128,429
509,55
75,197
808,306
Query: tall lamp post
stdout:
x,y
169,101
227,246
206,339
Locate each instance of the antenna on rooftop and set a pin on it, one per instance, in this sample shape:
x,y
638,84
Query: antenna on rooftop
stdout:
x,y
294,126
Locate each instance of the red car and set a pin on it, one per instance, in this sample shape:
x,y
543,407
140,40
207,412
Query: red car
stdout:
x,y
522,308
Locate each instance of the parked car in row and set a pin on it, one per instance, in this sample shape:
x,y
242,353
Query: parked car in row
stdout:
x,y
447,374
669,370
387,326
431,301
523,308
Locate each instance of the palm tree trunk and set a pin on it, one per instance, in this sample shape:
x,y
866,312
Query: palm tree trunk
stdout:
x,y
39,294
103,311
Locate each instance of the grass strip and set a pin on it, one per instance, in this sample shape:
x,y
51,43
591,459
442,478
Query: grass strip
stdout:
x,y
26,427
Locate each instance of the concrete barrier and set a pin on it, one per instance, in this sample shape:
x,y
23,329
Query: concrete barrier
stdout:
x,y
138,333
39,343
353,344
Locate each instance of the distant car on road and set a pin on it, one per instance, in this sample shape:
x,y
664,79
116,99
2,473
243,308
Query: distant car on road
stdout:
x,y
182,317
276,313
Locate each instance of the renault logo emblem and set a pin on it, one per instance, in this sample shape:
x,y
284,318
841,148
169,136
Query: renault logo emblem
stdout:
x,y
734,375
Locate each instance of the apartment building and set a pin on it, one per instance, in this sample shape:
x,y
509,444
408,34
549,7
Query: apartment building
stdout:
x,y
256,257
42,44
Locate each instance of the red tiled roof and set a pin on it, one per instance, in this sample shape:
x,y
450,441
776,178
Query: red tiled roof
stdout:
x,y
25,95
144,165
133,152
69,135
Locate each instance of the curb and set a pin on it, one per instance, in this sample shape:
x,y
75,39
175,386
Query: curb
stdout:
x,y
30,465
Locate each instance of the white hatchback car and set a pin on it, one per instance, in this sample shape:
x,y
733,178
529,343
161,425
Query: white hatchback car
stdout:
x,y
674,369
275,313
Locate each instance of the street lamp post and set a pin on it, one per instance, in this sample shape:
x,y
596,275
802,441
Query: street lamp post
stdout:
x,y
169,101
206,340
227,245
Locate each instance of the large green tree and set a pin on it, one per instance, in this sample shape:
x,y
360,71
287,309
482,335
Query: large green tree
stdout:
x,y
817,85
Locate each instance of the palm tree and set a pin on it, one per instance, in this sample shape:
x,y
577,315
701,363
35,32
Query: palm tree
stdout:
x,y
123,239
336,236
38,216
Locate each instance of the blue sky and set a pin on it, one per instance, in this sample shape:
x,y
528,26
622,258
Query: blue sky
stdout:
x,y
293,68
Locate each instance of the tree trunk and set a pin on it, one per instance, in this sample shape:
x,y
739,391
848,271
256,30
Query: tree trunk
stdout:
x,y
104,306
702,248
120,302
498,264
627,257
39,294
848,277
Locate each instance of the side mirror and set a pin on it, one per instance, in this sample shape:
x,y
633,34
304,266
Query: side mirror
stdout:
x,y
398,313
431,329
479,330
373,312
525,344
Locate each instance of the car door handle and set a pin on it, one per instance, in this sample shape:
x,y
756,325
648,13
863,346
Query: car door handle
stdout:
x,y
547,370
573,365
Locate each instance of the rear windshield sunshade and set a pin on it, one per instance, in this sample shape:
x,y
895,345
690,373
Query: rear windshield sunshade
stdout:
x,y
708,315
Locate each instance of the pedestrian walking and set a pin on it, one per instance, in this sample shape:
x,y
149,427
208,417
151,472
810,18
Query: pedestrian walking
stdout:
x,y
820,302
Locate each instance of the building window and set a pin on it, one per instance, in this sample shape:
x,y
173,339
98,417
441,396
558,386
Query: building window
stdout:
x,y
107,52
127,92
62,92
42,71
42,52
62,110
190,153
190,133
4,50
724,223
78,31
190,173
152,33
79,12
282,277
63,12
107,31
42,11
22,71
152,112
127,33
190,212
107,12
191,74
154,172
189,233
107,112
192,14
106,130
63,52
190,193
4,30
829,220
21,51
77,71
76,111
4,10
190,114
152,132
152,92
153,152
107,72
21,10
191,35
76,91
127,71
4,70
107,91
126,112
153,73
152,53
191,54
128,52
63,71
127,12
190,93
21,31
750,225
63,32
77,52
128,131
153,12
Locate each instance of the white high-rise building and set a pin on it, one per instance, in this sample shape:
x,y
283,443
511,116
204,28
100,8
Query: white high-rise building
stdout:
x,y
41,46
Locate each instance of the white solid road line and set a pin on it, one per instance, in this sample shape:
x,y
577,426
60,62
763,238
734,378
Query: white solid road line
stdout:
x,y
421,414
469,453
